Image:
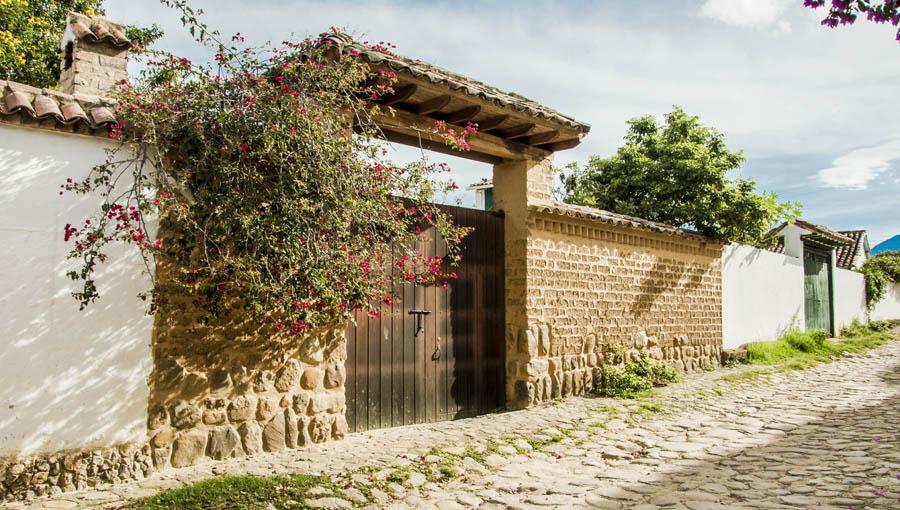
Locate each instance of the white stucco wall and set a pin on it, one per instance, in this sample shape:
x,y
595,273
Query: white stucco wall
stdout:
x,y
889,307
849,298
762,294
68,378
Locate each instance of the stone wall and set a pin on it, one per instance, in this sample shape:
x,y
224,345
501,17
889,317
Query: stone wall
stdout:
x,y
598,294
232,388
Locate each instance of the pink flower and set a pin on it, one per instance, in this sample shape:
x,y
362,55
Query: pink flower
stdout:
x,y
244,147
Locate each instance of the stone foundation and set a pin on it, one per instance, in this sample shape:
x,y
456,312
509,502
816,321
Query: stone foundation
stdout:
x,y
26,478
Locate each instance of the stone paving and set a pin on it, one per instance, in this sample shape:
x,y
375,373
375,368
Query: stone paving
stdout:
x,y
824,438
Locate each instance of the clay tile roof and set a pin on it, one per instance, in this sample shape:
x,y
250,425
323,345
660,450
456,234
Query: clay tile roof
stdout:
x,y
590,213
823,231
97,29
824,234
846,254
18,101
455,82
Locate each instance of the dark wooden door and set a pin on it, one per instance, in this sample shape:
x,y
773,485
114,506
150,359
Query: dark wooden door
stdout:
x,y
817,288
409,367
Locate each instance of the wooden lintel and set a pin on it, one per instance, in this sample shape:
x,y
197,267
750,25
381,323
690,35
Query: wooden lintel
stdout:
x,y
464,114
538,138
560,145
491,122
432,105
400,94
411,129
514,131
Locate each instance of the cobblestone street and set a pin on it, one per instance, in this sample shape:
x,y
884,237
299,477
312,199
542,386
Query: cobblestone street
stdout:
x,y
733,438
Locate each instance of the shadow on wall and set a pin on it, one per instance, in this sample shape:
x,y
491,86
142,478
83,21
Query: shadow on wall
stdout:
x,y
762,294
655,286
68,378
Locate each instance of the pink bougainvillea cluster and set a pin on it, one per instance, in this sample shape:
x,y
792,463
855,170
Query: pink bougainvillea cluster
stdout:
x,y
846,12
260,180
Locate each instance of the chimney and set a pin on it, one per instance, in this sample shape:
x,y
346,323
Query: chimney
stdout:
x,y
94,55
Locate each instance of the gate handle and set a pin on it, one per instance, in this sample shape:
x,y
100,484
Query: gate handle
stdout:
x,y
437,352
419,312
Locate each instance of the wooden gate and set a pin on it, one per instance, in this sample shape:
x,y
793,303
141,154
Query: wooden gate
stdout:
x,y
817,288
438,353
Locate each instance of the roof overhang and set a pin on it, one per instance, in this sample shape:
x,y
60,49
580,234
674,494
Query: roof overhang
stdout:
x,y
509,126
821,241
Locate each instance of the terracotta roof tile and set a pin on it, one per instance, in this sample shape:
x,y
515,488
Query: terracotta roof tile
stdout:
x,y
845,255
455,82
827,233
18,100
97,29
590,213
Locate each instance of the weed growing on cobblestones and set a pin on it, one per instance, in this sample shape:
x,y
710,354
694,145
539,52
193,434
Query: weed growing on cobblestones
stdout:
x,y
635,379
748,375
237,492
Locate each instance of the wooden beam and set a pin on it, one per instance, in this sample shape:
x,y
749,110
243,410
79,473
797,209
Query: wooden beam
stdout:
x,y
411,129
491,122
465,114
514,131
560,145
400,94
432,105
538,138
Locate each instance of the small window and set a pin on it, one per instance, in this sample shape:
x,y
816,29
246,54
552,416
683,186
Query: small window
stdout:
x,y
67,55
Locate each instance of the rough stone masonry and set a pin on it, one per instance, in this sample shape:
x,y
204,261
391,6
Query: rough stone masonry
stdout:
x,y
587,288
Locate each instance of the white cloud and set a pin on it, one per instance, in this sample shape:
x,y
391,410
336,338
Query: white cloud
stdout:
x,y
856,169
760,14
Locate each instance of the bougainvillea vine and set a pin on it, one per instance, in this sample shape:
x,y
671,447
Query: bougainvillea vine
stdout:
x,y
257,184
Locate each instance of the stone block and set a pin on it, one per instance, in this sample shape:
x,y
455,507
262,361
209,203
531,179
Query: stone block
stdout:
x,y
320,428
312,350
160,458
335,376
163,438
242,409
157,416
273,435
524,391
263,381
291,431
544,340
311,379
267,408
223,443
251,437
185,415
301,403
188,448
289,376
340,428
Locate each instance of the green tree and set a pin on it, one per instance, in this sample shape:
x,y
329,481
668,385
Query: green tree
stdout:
x,y
30,31
676,173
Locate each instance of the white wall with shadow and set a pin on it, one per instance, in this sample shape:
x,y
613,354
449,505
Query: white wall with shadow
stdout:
x,y
762,295
68,378
849,298
889,306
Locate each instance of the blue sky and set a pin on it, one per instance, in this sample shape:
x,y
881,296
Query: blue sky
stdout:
x,y
815,110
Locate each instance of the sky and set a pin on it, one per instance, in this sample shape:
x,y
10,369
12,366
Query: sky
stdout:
x,y
813,109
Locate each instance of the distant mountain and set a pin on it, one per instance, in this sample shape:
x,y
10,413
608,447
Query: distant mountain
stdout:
x,y
892,244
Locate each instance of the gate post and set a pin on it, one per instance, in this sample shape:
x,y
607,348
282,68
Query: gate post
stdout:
x,y
518,184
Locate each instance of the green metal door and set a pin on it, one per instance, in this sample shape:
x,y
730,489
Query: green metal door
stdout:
x,y
817,286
